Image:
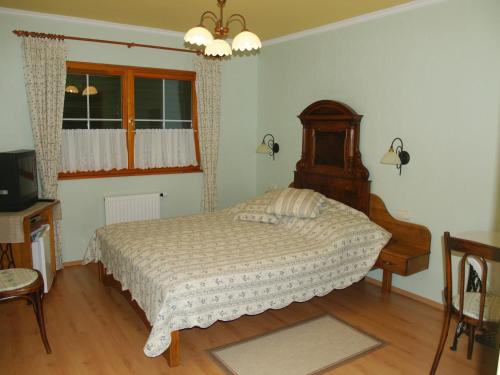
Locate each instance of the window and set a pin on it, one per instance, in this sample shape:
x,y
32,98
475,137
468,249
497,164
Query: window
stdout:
x,y
121,120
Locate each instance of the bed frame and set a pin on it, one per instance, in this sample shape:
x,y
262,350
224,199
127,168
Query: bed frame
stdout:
x,y
331,164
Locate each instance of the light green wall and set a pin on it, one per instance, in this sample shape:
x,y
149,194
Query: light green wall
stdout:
x,y
429,75
82,200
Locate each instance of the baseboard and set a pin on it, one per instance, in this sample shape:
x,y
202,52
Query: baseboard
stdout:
x,y
72,263
410,295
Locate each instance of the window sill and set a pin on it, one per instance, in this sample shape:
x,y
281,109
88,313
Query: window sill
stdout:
x,y
128,172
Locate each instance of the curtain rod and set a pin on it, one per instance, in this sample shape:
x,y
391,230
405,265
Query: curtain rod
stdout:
x,y
128,44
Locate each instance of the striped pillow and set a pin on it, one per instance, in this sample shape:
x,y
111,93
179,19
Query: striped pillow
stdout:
x,y
302,203
255,209
258,217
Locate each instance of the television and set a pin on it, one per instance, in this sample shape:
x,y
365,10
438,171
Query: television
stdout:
x,y
18,180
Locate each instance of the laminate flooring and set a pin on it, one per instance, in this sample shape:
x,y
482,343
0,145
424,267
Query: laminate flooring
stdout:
x,y
93,330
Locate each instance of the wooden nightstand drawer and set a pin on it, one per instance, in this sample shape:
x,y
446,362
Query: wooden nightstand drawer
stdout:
x,y
403,259
392,263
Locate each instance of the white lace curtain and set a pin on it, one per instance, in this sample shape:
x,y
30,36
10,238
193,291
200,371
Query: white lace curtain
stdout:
x,y
208,82
93,150
45,78
106,149
157,148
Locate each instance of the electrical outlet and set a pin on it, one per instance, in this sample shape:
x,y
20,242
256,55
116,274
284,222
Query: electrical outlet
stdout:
x,y
403,215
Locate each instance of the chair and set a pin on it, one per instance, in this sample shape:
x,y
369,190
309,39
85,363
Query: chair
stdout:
x,y
24,283
471,308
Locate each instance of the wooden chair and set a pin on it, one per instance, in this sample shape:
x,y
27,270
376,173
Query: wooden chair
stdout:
x,y
471,308
24,283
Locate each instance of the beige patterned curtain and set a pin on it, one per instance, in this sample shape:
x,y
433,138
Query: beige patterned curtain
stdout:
x,y
208,83
45,79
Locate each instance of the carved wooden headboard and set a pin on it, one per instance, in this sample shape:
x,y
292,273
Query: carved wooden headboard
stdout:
x,y
331,162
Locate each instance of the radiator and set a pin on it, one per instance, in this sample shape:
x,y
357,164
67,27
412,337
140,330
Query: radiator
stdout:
x,y
123,208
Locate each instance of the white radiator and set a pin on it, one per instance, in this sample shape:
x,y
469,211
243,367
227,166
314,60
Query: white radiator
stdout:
x,y
123,208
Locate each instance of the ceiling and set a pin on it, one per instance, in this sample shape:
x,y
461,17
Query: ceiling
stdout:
x,y
267,18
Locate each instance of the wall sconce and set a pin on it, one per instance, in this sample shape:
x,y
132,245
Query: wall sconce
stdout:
x,y
268,147
398,158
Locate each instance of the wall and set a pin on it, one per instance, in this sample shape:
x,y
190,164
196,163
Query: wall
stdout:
x,y
429,75
82,200
497,213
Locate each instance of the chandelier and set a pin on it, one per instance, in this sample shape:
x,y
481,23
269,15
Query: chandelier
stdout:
x,y
199,35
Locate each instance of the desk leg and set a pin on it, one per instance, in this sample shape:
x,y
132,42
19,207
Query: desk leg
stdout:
x,y
50,219
387,281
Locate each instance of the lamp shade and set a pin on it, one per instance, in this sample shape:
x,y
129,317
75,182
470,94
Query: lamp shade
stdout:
x,y
218,47
71,89
246,40
198,35
264,149
391,158
89,90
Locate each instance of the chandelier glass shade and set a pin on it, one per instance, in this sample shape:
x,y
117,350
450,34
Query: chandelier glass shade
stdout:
x,y
72,89
246,41
219,47
215,45
199,35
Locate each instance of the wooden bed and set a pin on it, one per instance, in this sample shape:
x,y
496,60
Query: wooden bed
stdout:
x,y
331,164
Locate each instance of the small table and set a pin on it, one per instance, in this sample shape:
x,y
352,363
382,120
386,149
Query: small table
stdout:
x,y
15,234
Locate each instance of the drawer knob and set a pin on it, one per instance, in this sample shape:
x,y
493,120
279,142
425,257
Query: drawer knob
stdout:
x,y
387,263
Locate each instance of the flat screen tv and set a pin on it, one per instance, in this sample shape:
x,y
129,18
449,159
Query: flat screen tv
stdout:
x,y
18,180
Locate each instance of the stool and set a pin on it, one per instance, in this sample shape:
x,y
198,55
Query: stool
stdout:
x,y
24,283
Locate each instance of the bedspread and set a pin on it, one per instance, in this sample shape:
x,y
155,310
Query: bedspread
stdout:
x,y
194,270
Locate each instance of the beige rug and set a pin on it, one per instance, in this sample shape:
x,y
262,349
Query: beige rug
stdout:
x,y
309,347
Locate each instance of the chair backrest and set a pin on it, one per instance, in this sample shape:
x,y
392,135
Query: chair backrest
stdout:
x,y
482,253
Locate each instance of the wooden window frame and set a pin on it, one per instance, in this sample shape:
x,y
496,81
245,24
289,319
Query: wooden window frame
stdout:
x,y
127,75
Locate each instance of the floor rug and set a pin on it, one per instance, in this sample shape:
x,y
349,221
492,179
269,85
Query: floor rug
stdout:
x,y
309,347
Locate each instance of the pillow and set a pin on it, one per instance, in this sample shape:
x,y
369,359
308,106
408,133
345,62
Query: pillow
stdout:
x,y
255,209
256,212
259,217
301,203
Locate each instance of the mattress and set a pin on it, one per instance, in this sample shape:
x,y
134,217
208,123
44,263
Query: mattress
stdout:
x,y
195,270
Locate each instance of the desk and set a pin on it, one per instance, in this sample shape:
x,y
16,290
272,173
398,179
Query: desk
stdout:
x,y
15,234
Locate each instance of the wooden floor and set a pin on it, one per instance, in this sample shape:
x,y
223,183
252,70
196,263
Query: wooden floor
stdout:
x,y
93,330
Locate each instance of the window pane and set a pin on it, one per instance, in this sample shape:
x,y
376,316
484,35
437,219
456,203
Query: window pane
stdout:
x,y
74,124
75,105
107,103
148,124
177,100
105,124
177,125
148,98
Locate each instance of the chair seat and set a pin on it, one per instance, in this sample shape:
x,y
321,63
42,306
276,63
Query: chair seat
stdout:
x,y
16,278
471,306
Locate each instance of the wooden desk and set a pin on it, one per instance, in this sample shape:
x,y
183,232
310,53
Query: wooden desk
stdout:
x,y
17,228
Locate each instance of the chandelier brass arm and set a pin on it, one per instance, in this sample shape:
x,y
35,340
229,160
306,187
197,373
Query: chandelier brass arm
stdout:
x,y
234,17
